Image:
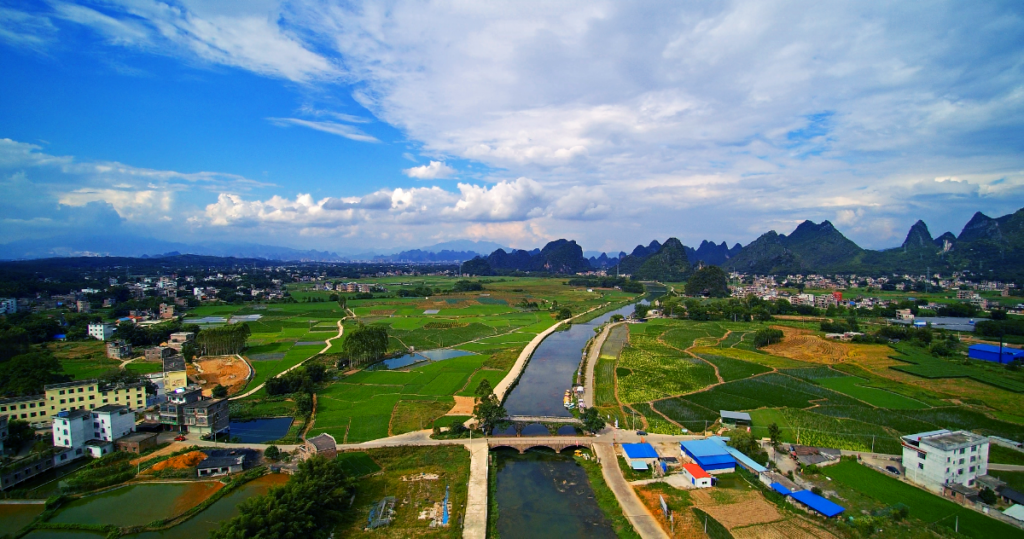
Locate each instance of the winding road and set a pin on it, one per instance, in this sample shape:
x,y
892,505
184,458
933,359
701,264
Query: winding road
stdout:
x,y
327,346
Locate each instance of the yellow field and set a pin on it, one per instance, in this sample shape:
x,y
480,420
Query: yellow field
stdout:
x,y
774,362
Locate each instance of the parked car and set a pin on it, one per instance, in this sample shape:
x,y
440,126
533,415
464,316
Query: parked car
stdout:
x,y
641,433
179,438
892,470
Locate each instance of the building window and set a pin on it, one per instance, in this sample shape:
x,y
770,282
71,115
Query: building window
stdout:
x,y
920,465
62,392
971,469
922,455
960,471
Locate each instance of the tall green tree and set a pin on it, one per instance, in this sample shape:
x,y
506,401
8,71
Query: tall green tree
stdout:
x,y
364,344
308,506
491,414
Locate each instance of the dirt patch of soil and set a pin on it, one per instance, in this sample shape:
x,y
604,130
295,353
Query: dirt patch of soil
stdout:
x,y
188,460
745,509
463,406
227,371
793,528
803,345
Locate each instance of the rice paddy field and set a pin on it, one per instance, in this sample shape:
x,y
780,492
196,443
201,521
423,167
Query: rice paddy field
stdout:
x,y
492,325
857,397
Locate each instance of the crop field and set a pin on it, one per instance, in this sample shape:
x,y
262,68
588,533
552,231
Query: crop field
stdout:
x,y
84,360
924,506
362,406
734,369
655,371
655,422
804,345
855,388
767,391
760,358
686,413
809,428
920,363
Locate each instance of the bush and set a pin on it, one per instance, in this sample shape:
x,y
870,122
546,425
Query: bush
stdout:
x,y
272,453
766,336
219,392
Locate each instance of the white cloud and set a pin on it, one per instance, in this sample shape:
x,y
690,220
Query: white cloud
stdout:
x,y
132,205
253,39
333,128
436,170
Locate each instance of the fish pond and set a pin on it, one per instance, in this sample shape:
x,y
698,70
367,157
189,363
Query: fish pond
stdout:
x,y
15,516
411,358
257,431
148,502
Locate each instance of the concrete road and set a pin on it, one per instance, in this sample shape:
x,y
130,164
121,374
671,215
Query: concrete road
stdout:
x,y
475,525
643,522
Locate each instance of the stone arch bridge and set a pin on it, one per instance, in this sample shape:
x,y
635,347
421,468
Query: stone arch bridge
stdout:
x,y
523,443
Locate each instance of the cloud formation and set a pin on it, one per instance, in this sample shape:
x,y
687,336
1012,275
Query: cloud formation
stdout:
x,y
608,122
436,170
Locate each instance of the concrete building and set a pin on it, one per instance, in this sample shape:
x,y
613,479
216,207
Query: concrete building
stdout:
x,y
213,466
118,349
697,477
112,421
31,408
3,432
8,305
158,353
166,311
178,340
175,375
91,394
83,306
321,444
172,412
72,429
137,442
207,416
101,332
940,458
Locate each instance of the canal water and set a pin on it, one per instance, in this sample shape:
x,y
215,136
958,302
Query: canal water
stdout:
x,y
550,371
544,494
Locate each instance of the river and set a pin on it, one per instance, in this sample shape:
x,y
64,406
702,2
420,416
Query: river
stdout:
x,y
550,371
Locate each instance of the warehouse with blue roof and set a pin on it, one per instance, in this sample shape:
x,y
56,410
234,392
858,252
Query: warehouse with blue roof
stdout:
x,y
988,352
709,455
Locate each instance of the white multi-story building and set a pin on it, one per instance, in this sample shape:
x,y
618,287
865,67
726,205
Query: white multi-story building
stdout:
x,y
8,305
101,332
939,458
111,422
72,428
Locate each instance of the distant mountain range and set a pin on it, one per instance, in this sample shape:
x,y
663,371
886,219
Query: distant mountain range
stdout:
x,y
990,247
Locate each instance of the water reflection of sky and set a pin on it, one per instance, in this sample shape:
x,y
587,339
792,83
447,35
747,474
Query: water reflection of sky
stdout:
x,y
549,372
416,357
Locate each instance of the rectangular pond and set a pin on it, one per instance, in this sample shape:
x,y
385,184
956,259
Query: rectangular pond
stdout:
x,y
257,431
15,516
148,502
223,509
439,354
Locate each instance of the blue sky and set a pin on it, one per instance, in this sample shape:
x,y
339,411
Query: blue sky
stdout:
x,y
353,126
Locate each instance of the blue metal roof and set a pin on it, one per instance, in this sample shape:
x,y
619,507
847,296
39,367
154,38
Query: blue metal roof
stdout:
x,y
781,489
640,451
817,503
702,448
748,462
995,349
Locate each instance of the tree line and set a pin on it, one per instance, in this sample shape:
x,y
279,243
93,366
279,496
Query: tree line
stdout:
x,y
365,344
222,341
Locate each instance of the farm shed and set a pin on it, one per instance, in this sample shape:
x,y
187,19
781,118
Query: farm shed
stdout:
x,y
735,419
781,489
817,503
742,459
709,455
697,476
638,465
640,451
1015,512
988,352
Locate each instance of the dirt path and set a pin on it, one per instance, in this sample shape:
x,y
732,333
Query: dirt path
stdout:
x,y
312,419
327,346
175,446
595,355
